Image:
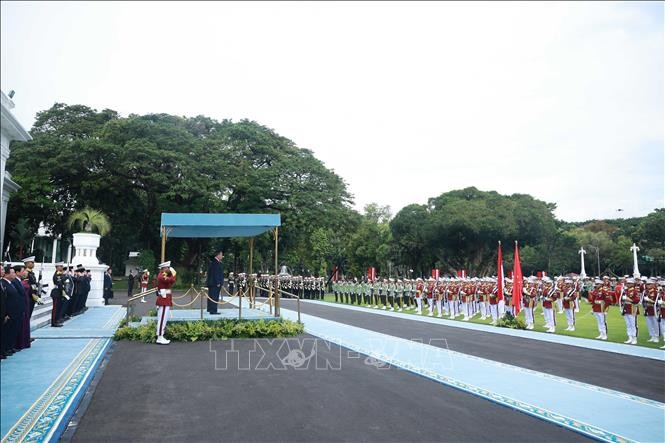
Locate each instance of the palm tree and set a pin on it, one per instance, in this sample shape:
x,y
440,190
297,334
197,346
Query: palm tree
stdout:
x,y
90,220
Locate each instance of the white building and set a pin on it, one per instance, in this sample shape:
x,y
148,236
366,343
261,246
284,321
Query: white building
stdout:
x,y
11,130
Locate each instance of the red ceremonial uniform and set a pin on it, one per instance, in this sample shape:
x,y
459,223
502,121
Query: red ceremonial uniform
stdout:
x,y
631,306
547,304
420,286
145,279
569,300
452,292
649,301
165,282
430,289
617,292
597,299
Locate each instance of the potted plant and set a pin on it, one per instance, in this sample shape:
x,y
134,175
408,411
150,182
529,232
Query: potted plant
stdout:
x,y
86,242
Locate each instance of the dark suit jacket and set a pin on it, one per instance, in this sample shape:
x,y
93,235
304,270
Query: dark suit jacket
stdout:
x,y
15,301
215,274
108,286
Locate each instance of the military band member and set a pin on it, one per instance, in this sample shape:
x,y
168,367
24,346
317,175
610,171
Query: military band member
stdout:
x,y
429,293
165,281
599,304
494,303
144,281
507,297
571,294
453,292
630,309
530,293
420,288
649,304
548,305
439,294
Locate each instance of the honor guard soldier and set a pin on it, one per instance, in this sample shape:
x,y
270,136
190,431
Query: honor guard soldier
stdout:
x,y
35,290
144,282
649,304
569,297
165,281
548,306
630,309
494,302
420,287
660,305
599,304
530,292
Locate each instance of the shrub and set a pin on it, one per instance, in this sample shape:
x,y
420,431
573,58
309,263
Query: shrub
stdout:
x,y
511,322
203,330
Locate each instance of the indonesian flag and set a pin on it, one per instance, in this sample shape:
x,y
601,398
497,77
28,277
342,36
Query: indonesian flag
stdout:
x,y
461,273
371,273
435,274
500,276
335,273
517,282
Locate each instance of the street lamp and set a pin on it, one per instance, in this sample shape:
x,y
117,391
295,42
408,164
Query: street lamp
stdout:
x,y
597,256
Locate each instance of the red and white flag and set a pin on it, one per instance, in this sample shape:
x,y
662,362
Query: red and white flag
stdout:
x,y
461,273
371,273
435,274
500,276
517,282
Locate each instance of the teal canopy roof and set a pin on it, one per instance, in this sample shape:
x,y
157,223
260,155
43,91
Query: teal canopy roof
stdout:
x,y
218,225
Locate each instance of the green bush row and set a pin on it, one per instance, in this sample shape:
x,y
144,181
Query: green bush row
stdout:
x,y
203,330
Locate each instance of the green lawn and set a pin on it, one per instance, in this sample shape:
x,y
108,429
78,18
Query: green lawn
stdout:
x,y
585,324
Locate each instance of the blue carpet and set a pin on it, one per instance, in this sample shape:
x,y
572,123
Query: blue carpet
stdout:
x,y
41,386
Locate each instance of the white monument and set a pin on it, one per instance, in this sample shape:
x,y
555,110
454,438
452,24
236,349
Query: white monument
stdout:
x,y
85,245
636,271
11,130
582,252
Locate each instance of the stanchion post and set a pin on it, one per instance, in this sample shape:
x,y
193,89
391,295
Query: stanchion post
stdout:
x,y
239,303
201,303
299,310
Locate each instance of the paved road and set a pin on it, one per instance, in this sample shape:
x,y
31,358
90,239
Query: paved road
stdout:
x,y
173,393
634,375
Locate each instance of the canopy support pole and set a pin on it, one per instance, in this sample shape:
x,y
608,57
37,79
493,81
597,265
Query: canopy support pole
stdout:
x,y
250,280
163,244
277,293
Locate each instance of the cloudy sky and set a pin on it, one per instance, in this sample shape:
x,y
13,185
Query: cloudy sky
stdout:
x,y
405,101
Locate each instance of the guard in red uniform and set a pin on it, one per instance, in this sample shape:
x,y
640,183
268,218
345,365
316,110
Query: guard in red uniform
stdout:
x,y
649,304
548,305
453,304
599,307
660,303
145,280
165,280
630,309
420,288
530,293
569,297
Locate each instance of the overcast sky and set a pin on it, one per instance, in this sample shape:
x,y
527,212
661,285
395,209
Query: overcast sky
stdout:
x,y
405,101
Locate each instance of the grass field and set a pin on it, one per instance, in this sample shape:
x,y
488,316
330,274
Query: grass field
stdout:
x,y
585,324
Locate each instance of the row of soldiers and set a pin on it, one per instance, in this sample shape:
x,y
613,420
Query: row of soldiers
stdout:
x,y
469,297
307,288
71,286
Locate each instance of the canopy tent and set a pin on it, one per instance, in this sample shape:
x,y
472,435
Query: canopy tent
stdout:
x,y
221,225
218,225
